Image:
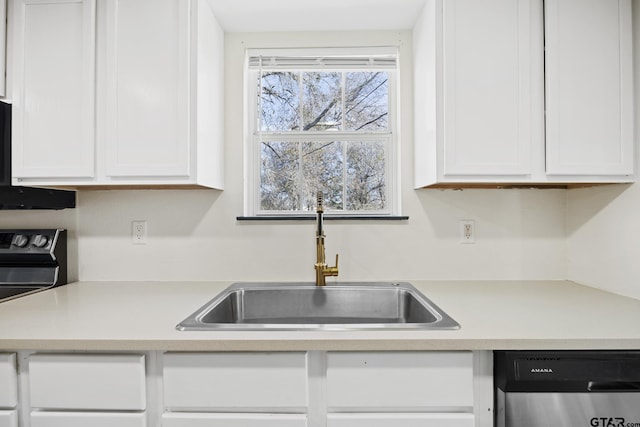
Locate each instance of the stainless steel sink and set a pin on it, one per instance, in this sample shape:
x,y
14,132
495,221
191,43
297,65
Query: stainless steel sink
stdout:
x,y
305,306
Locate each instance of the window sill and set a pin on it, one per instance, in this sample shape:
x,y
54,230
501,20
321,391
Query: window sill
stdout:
x,y
327,217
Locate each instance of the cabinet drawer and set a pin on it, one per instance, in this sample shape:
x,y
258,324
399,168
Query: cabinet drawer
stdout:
x,y
200,381
93,419
400,420
399,380
233,420
8,381
8,418
81,381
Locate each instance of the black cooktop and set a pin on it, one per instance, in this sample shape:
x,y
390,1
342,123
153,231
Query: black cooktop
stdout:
x,y
10,292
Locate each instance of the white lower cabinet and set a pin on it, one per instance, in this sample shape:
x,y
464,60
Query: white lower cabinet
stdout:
x,y
78,390
8,381
399,381
400,420
8,418
233,420
336,389
234,382
247,389
93,419
8,390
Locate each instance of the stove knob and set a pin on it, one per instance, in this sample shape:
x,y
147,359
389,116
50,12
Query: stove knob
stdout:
x,y
20,240
40,241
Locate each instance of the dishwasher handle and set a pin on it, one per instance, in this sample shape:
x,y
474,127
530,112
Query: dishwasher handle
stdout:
x,y
614,386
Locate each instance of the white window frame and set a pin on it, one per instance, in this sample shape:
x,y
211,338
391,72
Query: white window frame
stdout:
x,y
254,137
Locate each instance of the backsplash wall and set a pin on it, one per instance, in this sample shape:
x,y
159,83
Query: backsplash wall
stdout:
x,y
194,235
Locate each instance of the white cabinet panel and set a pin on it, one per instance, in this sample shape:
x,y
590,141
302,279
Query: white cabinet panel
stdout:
x,y
400,420
233,420
399,380
8,381
118,93
147,93
93,419
478,91
8,418
487,87
199,381
589,87
54,87
83,381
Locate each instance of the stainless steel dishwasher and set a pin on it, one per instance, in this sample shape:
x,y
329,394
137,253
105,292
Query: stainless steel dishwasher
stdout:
x,y
567,388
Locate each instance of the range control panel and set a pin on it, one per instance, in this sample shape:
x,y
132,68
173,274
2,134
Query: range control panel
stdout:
x,y
32,241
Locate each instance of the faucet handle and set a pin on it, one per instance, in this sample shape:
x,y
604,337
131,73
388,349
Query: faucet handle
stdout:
x,y
336,266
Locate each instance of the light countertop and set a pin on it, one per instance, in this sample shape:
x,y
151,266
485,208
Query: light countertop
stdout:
x,y
125,316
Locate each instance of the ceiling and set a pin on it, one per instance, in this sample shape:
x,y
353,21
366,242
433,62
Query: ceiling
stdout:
x,y
315,15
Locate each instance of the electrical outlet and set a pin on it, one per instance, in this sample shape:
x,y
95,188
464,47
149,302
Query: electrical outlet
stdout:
x,y
139,232
467,231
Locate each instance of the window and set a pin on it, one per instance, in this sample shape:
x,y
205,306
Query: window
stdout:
x,y
322,121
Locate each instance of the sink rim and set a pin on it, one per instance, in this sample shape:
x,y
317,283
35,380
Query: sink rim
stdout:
x,y
194,321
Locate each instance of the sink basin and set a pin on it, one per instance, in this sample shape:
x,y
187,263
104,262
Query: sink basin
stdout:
x,y
304,306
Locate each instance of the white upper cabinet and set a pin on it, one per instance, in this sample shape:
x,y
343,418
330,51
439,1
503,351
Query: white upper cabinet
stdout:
x,y
147,88
487,96
589,87
156,69
53,122
480,83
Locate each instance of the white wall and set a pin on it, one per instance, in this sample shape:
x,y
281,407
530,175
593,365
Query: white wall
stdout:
x,y
194,235
603,226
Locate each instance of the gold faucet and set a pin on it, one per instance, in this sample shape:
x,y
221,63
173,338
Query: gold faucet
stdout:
x,y
322,269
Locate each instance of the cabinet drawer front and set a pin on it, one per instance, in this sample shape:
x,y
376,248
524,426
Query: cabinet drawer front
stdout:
x,y
197,381
233,420
8,418
81,381
400,420
399,380
8,381
93,419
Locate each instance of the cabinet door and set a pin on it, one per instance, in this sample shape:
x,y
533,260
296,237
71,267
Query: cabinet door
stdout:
x,y
236,381
589,90
233,420
93,419
8,418
54,86
399,381
400,420
488,92
8,381
87,381
147,64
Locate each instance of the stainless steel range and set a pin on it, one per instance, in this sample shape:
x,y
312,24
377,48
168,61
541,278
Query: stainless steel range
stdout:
x,y
31,260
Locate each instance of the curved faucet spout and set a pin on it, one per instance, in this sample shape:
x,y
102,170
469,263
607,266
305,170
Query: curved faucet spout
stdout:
x,y
322,269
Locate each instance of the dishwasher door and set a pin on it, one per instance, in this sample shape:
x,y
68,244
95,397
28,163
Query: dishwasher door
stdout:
x,y
569,410
567,388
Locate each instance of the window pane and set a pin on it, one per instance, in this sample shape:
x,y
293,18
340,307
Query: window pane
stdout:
x,y
322,101
366,187
279,171
280,101
366,101
323,170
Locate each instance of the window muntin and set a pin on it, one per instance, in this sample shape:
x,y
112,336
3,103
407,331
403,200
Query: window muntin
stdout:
x,y
323,123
